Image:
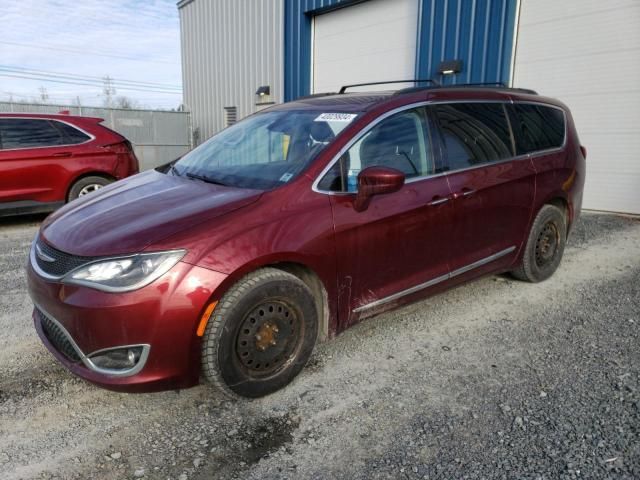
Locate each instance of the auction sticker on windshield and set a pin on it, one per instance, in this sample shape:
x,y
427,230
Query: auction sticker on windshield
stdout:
x,y
336,117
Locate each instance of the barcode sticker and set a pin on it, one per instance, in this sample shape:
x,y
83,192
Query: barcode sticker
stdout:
x,y
336,117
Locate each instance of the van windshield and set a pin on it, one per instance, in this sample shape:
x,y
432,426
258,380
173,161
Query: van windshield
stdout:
x,y
265,150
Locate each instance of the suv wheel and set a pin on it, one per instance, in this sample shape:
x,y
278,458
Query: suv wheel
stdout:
x,y
545,245
260,335
87,185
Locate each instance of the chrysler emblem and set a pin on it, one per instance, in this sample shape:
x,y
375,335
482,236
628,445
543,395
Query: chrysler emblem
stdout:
x,y
43,256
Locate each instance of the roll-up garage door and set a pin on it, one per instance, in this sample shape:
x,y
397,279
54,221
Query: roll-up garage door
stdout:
x,y
587,54
367,42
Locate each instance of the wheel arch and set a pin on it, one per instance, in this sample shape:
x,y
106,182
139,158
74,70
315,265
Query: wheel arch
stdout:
x,y
300,269
317,287
560,201
90,173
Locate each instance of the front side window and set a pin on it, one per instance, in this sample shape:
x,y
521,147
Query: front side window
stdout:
x,y
539,127
398,142
265,150
474,133
28,133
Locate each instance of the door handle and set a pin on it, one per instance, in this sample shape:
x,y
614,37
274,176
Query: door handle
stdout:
x,y
466,192
438,201
62,154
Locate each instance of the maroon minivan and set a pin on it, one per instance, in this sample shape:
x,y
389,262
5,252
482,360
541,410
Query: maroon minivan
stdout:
x,y
47,160
297,222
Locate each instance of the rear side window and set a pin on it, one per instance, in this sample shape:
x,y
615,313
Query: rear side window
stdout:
x,y
72,135
474,133
538,127
28,133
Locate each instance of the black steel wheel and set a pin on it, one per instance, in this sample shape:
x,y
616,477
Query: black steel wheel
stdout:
x,y
260,334
545,245
269,337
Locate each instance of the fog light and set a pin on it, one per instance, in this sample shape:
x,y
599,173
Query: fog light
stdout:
x,y
117,359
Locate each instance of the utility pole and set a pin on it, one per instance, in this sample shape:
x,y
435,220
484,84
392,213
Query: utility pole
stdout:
x,y
44,95
109,91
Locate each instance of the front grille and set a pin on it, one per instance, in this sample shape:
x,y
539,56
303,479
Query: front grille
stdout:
x,y
62,263
57,337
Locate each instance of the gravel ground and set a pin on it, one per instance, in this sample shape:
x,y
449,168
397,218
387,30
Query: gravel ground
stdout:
x,y
494,379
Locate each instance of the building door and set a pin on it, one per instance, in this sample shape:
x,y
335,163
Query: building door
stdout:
x,y
587,55
368,42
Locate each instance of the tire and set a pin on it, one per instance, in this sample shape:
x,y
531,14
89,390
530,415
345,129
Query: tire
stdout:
x,y
260,334
545,246
87,185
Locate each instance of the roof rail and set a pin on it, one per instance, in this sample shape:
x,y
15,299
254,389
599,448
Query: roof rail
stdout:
x,y
343,89
491,84
498,85
315,95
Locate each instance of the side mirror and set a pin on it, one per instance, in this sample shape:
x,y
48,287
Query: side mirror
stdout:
x,y
376,181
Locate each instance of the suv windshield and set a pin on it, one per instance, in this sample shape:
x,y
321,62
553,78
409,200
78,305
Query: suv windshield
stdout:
x,y
265,150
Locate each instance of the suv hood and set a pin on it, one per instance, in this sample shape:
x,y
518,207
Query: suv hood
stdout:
x,y
129,215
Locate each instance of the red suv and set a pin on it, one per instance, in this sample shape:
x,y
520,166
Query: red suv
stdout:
x,y
47,160
297,222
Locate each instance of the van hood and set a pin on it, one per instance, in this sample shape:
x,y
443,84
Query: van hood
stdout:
x,y
129,215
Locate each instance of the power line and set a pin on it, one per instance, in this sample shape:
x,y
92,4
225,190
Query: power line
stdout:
x,y
73,76
83,52
70,82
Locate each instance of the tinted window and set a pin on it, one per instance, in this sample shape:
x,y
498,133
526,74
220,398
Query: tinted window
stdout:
x,y
538,127
26,133
398,142
474,133
72,135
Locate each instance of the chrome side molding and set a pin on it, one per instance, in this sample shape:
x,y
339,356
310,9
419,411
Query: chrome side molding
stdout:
x,y
435,281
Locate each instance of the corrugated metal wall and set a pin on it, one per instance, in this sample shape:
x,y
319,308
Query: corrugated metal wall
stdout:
x,y
479,32
229,49
157,136
297,43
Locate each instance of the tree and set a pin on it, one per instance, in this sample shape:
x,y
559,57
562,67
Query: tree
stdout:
x,y
125,103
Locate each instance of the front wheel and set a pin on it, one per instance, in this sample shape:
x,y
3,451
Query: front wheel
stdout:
x,y
545,245
260,335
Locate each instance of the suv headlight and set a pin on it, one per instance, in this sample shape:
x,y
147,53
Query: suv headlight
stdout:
x,y
123,274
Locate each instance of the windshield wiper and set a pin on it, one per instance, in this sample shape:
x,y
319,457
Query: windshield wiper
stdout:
x,y
205,179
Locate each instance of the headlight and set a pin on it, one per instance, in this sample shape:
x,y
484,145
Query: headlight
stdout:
x,y
124,273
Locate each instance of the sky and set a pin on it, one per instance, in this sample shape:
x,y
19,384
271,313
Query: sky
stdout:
x,y
134,42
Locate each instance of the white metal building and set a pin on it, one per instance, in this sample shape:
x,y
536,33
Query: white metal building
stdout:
x,y
587,54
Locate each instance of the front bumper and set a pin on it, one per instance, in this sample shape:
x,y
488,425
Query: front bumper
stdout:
x,y
76,322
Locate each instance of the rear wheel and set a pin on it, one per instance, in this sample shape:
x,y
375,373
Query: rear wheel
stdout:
x,y
545,245
260,334
87,185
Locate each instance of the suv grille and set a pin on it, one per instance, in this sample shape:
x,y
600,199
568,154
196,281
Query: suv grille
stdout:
x,y
57,337
62,262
